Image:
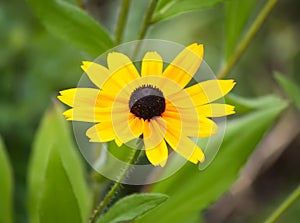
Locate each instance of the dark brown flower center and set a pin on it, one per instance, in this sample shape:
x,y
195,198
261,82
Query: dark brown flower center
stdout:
x,y
147,102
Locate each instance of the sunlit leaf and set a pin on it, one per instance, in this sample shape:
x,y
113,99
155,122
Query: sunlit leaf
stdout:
x,y
73,25
6,186
191,190
58,202
169,8
290,88
237,15
132,207
54,134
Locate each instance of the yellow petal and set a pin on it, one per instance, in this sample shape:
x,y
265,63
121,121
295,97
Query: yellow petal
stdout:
x,y
153,136
207,91
122,71
189,124
91,114
136,126
153,133
110,98
215,110
79,97
166,85
102,132
91,104
124,126
118,142
157,155
184,146
85,114
152,64
97,73
185,65
113,86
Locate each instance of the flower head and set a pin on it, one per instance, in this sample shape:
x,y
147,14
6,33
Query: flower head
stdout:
x,y
154,104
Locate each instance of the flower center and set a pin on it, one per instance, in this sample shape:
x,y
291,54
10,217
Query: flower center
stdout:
x,y
147,102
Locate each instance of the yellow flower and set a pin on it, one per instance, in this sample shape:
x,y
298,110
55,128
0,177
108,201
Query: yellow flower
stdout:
x,y
153,105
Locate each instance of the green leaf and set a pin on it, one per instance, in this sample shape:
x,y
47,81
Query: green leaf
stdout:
x,y
6,186
132,207
54,134
290,88
237,15
195,190
244,105
73,25
58,202
169,8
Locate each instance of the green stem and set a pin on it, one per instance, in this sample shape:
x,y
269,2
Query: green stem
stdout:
x,y
147,19
122,20
108,197
145,26
247,39
282,208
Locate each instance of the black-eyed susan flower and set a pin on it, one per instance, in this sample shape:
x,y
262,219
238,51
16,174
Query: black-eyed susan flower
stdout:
x,y
154,104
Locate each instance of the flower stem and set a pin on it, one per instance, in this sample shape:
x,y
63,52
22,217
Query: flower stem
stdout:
x,y
147,19
146,24
282,208
247,39
122,20
108,197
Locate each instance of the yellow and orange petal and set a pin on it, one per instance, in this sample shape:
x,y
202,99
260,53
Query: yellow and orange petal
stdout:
x,y
155,145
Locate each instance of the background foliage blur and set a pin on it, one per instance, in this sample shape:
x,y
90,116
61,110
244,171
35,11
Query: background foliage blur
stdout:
x,y
34,66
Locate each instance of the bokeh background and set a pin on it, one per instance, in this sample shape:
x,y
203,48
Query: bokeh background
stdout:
x,y
35,65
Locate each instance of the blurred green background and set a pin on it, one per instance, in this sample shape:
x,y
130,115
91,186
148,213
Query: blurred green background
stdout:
x,y
34,66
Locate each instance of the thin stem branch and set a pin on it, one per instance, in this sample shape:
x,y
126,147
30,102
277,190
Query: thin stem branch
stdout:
x,y
282,208
122,21
108,197
247,39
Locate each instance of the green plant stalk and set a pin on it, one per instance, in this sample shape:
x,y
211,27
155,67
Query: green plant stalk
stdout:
x,y
283,207
133,159
145,26
247,39
122,21
147,19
